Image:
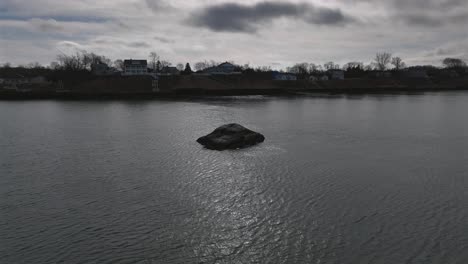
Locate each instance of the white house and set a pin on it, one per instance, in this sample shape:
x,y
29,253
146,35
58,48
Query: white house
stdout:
x,y
135,67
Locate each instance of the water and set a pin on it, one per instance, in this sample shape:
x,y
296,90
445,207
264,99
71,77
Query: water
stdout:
x,y
364,179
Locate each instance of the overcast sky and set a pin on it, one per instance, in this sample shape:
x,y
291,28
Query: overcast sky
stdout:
x,y
274,33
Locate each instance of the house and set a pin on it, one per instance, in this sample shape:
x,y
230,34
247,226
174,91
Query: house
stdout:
x,y
169,71
281,76
336,74
135,67
223,68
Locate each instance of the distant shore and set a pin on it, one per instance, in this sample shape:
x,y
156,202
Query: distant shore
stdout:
x,y
200,93
146,87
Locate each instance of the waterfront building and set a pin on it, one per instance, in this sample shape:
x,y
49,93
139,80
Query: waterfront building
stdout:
x,y
135,67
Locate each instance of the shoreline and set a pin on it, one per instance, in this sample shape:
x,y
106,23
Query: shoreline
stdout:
x,y
202,93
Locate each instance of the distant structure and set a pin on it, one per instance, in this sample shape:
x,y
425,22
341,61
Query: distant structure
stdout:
x,y
335,74
169,71
223,68
21,83
135,67
20,79
282,76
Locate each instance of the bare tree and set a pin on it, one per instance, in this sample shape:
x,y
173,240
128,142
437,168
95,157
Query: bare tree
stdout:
x,y
353,65
331,65
314,68
213,63
105,60
54,65
88,59
382,59
454,63
70,62
180,66
201,65
34,65
245,67
299,68
263,69
154,58
80,61
398,63
164,64
369,67
119,64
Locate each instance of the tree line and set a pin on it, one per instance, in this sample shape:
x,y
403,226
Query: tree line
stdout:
x,y
83,61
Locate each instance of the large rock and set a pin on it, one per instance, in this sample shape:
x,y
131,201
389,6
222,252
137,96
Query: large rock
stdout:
x,y
231,136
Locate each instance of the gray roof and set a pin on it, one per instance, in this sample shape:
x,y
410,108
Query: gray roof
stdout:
x,y
135,62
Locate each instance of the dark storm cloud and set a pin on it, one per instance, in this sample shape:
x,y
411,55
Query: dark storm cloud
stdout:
x,y
232,17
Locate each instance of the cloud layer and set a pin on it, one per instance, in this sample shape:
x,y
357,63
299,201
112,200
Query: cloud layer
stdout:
x,y
233,17
260,32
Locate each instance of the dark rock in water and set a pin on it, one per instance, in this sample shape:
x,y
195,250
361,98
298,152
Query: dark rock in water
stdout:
x,y
231,136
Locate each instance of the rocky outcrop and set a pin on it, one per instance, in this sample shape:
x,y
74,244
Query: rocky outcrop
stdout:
x,y
231,136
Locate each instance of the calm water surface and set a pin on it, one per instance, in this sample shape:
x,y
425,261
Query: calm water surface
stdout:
x,y
371,179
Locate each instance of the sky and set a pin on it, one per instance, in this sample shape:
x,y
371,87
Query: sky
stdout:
x,y
275,33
